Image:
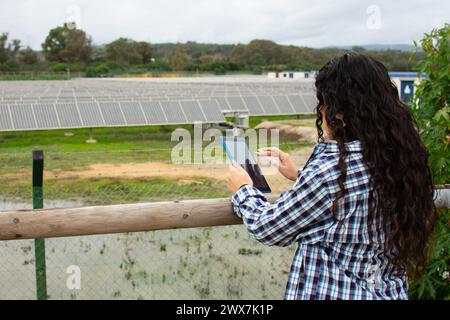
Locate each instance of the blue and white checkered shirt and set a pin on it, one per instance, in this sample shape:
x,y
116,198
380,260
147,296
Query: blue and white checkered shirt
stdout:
x,y
335,258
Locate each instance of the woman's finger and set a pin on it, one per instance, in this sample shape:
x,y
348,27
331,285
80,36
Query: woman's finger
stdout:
x,y
272,151
264,153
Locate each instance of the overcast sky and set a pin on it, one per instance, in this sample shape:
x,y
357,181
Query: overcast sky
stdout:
x,y
315,23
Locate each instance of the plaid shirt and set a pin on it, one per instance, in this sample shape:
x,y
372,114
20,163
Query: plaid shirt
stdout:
x,y
335,258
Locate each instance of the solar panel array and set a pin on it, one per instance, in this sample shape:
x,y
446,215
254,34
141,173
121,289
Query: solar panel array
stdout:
x,y
99,103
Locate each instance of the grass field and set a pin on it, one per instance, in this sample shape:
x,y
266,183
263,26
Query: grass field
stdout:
x,y
121,145
33,77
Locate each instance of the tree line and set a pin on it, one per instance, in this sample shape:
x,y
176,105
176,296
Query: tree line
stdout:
x,y
67,47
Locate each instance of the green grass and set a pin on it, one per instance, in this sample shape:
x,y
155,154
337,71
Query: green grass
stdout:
x,y
125,144
99,191
255,120
31,77
308,123
108,139
114,145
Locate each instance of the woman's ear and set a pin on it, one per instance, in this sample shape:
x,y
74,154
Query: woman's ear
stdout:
x,y
340,116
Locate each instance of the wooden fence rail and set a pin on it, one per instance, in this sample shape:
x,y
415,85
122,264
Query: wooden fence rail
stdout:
x,y
48,223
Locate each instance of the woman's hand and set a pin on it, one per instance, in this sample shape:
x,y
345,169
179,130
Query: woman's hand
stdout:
x,y
237,177
285,164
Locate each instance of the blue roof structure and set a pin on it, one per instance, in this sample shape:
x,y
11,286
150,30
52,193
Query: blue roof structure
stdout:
x,y
406,74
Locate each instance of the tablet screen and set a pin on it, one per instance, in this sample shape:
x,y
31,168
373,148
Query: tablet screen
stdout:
x,y
237,150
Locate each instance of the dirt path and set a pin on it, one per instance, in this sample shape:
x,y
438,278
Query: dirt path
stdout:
x,y
138,170
149,169
152,169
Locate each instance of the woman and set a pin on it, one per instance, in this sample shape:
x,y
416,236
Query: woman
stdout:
x,y
361,209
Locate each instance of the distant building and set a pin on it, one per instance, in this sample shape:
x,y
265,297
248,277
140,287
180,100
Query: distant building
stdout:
x,y
292,75
405,82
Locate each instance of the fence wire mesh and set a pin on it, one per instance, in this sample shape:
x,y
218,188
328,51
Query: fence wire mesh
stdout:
x,y
200,263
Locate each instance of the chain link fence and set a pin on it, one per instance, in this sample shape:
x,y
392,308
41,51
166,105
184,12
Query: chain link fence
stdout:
x,y
200,263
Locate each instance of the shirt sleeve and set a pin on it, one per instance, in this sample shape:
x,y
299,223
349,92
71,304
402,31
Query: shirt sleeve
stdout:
x,y
289,218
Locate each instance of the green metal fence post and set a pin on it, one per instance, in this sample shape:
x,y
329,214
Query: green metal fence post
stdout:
x,y
39,244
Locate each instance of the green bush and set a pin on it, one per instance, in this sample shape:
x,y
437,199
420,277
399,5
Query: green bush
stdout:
x,y
219,70
10,66
257,70
432,112
101,70
113,65
159,65
59,67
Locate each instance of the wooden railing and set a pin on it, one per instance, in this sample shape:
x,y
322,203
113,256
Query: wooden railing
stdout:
x,y
47,223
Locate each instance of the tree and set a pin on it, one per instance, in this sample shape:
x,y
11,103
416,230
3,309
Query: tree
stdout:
x,y
4,54
178,60
8,50
145,50
120,51
238,54
28,56
68,44
128,51
432,112
15,48
259,53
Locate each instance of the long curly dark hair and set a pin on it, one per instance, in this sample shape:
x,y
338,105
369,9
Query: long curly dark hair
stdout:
x,y
359,88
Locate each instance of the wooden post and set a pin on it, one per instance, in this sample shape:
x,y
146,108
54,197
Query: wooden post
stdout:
x,y
39,244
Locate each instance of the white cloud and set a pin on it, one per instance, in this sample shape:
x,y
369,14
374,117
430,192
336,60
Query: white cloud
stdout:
x,y
309,23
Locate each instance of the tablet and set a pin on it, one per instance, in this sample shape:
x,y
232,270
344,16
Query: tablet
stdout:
x,y
237,150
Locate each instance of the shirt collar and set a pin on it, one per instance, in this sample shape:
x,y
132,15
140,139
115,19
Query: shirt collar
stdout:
x,y
332,146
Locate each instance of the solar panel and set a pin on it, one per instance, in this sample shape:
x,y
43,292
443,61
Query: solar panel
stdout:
x,y
223,103
173,111
133,112
283,105
22,116
153,112
111,113
268,104
212,111
236,103
193,111
310,101
253,105
90,114
298,104
5,118
82,103
46,116
68,115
